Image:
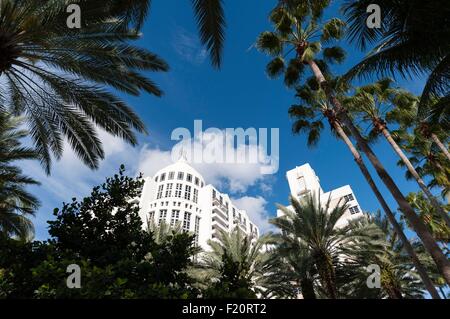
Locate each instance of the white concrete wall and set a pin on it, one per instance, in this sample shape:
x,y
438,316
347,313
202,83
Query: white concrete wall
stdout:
x,y
312,185
302,180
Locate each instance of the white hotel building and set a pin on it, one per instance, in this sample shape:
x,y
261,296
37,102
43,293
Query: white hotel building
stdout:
x,y
303,180
179,194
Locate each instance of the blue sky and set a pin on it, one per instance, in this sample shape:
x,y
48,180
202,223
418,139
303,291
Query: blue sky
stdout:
x,y
239,95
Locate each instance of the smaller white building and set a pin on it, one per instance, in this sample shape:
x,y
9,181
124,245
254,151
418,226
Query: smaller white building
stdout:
x,y
178,194
303,181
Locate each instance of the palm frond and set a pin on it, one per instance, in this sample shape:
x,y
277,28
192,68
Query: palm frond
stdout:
x,y
211,24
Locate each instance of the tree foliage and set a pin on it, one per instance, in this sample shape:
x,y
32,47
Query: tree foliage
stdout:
x,y
102,234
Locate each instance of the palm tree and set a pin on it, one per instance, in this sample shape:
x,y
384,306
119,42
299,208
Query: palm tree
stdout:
x,y
413,40
291,271
308,119
311,227
371,103
406,115
209,16
55,75
398,276
236,256
291,35
429,131
427,160
163,231
16,204
428,213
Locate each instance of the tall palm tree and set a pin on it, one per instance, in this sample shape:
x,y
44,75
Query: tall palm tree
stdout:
x,y
291,271
247,255
398,274
16,204
427,160
406,115
308,119
428,213
56,75
311,226
295,28
371,103
413,39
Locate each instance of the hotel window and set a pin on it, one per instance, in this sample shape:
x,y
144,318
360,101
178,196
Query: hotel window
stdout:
x,y
354,210
214,194
187,221
162,216
180,176
234,212
175,217
220,200
201,184
197,228
160,191
187,192
169,190
349,197
195,199
178,190
156,178
171,175
189,177
197,181
163,177
151,216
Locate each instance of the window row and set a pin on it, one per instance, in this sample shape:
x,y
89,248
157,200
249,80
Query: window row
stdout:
x,y
166,203
180,176
175,218
349,197
354,210
178,192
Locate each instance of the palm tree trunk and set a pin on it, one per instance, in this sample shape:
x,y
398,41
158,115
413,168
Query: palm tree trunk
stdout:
x,y
441,145
442,263
307,288
416,175
390,216
393,293
327,275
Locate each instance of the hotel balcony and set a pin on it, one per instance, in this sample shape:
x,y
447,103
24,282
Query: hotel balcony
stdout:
x,y
218,219
220,210
239,223
216,202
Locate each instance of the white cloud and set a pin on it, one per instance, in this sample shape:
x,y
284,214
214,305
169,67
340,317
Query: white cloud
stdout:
x,y
188,46
152,160
256,208
226,162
